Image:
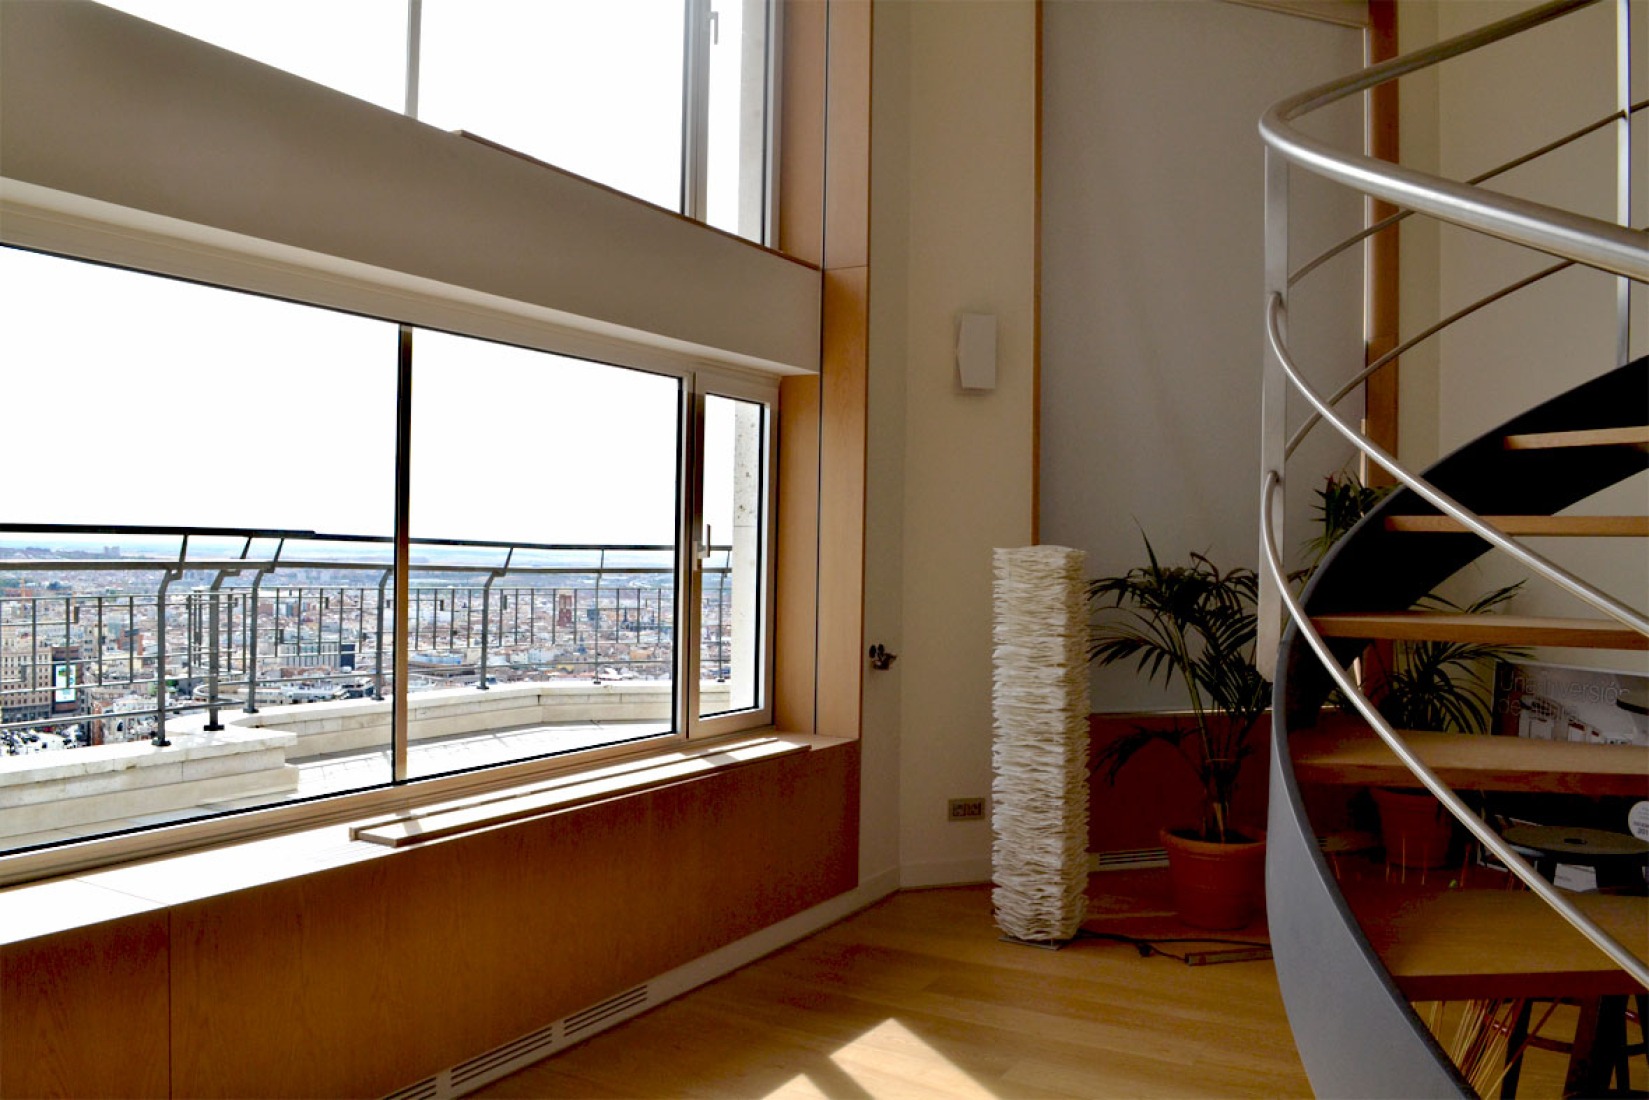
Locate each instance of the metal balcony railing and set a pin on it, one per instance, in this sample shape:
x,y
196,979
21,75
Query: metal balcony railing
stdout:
x,y
287,619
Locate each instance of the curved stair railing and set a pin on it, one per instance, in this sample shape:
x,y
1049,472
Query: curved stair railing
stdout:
x,y
1357,1032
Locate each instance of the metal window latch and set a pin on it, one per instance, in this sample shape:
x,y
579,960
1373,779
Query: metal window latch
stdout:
x,y
880,658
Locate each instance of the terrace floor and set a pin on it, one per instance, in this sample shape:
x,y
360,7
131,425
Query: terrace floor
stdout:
x,y
333,773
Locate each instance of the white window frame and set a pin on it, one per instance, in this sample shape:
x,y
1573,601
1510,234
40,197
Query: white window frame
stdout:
x,y
86,230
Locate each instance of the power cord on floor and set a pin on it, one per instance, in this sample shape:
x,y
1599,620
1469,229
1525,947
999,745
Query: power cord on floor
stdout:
x,y
1234,950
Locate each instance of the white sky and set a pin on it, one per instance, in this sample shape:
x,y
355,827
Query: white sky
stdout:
x,y
140,400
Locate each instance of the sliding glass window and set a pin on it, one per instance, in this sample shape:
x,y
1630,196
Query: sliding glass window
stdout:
x,y
666,100
198,602
543,511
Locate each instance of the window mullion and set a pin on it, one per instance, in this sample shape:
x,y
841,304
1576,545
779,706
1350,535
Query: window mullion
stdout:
x,y
690,567
695,110
399,708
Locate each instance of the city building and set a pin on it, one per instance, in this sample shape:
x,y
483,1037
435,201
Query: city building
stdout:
x,y
934,159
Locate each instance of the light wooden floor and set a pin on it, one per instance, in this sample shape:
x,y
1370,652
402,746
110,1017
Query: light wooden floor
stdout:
x,y
916,997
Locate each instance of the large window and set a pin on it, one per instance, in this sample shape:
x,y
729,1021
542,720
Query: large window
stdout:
x,y
199,609
666,100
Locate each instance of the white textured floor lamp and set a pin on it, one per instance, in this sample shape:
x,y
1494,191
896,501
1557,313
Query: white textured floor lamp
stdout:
x,y
1040,751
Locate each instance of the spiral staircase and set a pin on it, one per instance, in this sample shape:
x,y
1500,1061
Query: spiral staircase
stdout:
x,y
1355,958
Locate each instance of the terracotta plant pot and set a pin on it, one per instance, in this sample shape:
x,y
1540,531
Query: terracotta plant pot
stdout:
x,y
1414,827
1216,886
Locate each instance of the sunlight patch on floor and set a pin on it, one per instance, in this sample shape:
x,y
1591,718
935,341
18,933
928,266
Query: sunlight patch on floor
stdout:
x,y
888,1060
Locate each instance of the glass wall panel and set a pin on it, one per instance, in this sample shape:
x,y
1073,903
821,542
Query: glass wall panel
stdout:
x,y
358,47
595,88
733,572
544,505
197,521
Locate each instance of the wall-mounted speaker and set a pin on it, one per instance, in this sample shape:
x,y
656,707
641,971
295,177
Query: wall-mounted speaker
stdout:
x,y
976,352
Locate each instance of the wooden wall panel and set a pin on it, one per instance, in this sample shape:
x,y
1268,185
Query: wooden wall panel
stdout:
x,y
1381,389
84,1013
842,501
802,131
847,137
368,978
796,581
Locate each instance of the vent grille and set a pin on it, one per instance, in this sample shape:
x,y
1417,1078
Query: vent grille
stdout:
x,y
427,1089
1129,859
528,1048
607,1009
504,1060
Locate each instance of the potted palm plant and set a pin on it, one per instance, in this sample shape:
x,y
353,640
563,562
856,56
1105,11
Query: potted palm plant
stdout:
x,y
1193,626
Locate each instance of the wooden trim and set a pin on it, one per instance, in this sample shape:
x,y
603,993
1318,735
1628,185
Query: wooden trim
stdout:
x,y
847,136
1351,755
842,442
1547,526
801,159
1036,297
796,565
1380,392
1635,436
1524,630
819,633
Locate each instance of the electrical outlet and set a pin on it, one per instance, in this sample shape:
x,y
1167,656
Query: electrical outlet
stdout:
x,y
967,809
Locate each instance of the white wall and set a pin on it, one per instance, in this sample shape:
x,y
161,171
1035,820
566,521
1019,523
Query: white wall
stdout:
x,y
953,206
1489,107
1152,279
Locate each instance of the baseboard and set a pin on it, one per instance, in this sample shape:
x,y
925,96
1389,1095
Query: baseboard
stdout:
x,y
956,872
551,1039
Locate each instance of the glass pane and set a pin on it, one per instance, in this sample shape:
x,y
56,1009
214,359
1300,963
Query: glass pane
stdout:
x,y
735,474
358,47
736,187
555,480
178,408
592,88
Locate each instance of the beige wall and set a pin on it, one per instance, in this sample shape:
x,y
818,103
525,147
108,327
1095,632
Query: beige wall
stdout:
x,y
953,202
1153,278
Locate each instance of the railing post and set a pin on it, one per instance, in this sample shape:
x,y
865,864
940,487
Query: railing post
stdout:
x,y
212,627
378,640
159,738
1273,410
252,628
486,621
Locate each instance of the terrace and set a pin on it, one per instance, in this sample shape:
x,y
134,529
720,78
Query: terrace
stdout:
x,y
237,669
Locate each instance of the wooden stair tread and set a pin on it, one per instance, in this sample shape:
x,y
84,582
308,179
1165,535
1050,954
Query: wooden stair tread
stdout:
x,y
1463,944
1562,526
1517,630
1635,436
1351,754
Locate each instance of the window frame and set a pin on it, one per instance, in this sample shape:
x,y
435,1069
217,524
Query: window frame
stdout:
x,y
146,250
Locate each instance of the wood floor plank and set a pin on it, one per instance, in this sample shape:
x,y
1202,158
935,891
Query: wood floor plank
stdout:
x,y
917,996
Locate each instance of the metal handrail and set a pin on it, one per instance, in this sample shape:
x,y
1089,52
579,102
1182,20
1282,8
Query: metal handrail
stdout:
x,y
1589,241
1442,502
1571,237
1501,169
1414,341
1617,952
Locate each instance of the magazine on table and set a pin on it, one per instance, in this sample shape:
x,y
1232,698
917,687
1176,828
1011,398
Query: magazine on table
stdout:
x,y
1590,706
